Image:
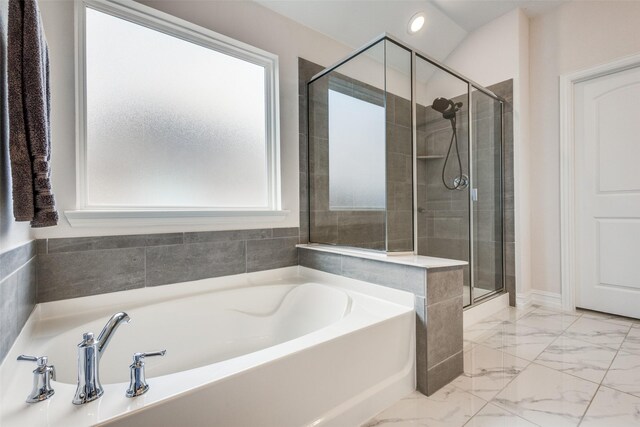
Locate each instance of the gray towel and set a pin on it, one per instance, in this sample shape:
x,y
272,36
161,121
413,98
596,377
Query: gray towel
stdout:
x,y
29,111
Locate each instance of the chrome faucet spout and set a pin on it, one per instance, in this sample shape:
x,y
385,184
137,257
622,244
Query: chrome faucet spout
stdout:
x,y
109,329
89,354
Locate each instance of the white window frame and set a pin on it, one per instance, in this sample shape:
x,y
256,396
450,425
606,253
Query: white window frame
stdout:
x,y
87,215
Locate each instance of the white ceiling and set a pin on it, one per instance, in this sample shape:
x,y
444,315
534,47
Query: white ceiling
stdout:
x,y
355,22
472,14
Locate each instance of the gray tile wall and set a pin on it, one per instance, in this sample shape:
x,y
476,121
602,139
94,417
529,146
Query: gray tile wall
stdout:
x,y
397,276
17,292
399,174
438,306
76,267
444,342
306,70
443,215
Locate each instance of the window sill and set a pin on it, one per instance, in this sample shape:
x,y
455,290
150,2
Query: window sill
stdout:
x,y
142,218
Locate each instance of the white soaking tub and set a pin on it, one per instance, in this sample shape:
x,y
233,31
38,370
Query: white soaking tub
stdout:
x,y
286,347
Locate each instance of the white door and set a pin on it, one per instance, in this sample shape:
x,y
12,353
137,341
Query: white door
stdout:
x,y
607,149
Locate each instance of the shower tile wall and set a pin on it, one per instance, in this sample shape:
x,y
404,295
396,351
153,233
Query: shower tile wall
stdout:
x,y
366,229
306,70
443,215
399,174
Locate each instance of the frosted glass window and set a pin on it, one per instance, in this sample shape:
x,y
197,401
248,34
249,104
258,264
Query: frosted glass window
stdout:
x,y
356,153
171,123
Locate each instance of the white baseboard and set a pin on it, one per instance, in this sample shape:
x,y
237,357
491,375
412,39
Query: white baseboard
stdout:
x,y
542,298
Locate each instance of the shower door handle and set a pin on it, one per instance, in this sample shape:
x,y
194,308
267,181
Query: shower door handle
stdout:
x,y
474,194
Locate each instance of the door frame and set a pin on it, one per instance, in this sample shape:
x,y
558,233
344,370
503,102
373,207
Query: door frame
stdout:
x,y
567,168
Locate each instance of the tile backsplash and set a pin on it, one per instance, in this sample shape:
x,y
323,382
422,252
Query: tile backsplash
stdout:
x,y
82,266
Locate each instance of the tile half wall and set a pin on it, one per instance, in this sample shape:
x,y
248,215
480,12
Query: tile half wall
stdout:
x,y
82,266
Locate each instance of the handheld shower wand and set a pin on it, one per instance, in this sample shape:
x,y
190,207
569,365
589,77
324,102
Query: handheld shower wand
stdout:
x,y
448,109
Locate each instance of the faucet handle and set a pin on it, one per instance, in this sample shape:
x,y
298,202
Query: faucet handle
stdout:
x,y
138,384
25,358
139,357
42,376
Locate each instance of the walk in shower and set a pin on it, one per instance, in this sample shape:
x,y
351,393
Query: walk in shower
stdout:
x,y
406,155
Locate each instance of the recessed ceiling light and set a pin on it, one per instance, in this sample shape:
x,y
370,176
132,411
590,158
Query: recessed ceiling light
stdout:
x,y
416,23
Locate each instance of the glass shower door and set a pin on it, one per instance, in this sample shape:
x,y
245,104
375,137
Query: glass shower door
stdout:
x,y
486,195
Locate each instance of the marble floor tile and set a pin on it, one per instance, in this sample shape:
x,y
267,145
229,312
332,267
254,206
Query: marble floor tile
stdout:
x,y
448,407
612,408
511,314
521,341
598,332
579,358
487,371
550,320
547,397
536,366
483,329
631,343
609,318
624,373
494,416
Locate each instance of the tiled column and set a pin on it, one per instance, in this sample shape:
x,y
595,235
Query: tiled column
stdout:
x,y
442,322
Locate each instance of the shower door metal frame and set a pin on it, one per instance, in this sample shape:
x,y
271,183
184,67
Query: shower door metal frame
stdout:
x,y
472,252
417,52
471,85
494,293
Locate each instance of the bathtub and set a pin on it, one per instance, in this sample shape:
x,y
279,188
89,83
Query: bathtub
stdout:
x,y
285,347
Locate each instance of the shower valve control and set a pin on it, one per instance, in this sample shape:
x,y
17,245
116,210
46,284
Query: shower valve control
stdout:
x,y
138,385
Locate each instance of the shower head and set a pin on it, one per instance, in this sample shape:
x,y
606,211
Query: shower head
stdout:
x,y
441,104
446,107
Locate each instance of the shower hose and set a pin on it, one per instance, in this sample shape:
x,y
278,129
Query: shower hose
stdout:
x,y
459,181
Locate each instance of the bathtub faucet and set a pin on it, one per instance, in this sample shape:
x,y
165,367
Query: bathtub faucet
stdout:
x,y
89,353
